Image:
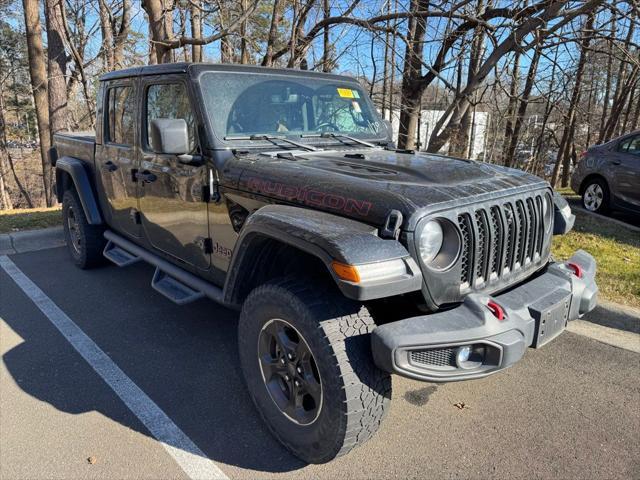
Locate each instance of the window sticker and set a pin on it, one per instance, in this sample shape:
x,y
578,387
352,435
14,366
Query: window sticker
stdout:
x,y
345,92
355,94
356,106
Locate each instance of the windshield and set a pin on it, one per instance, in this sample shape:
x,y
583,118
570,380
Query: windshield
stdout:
x,y
245,104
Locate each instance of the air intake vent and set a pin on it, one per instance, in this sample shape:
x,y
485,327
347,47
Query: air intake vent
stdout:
x,y
435,357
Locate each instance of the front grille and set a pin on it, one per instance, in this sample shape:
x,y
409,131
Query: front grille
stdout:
x,y
500,239
436,357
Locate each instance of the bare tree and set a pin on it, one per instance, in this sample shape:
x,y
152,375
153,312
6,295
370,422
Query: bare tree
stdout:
x,y
38,73
566,143
196,29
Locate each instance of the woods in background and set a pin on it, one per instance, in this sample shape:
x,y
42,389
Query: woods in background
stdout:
x,y
549,77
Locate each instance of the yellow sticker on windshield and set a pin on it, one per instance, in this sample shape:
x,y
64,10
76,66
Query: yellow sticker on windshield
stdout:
x,y
345,92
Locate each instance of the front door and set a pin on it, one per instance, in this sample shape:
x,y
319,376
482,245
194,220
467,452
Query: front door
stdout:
x,y
626,173
174,215
116,157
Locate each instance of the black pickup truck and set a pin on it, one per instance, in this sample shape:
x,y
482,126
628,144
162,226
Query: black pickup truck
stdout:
x,y
280,193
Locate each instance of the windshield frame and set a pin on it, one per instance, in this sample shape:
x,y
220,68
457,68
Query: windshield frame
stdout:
x,y
219,141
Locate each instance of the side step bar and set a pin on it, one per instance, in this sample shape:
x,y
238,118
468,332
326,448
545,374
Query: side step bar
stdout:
x,y
170,280
119,256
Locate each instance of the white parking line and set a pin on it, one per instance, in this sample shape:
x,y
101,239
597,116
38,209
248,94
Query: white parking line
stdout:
x,y
190,458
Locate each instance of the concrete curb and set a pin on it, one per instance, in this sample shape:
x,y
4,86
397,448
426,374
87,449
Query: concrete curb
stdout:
x,y
575,205
31,240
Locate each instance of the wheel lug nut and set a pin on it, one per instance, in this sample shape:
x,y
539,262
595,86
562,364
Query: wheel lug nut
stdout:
x,y
299,370
286,377
282,361
290,356
296,383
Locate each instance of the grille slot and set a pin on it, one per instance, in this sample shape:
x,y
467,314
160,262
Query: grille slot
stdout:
x,y
500,239
496,240
481,244
465,261
435,357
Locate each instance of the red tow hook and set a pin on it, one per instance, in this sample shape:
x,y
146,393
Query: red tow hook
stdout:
x,y
577,269
496,309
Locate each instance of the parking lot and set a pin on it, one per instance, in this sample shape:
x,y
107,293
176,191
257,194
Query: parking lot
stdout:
x,y
569,410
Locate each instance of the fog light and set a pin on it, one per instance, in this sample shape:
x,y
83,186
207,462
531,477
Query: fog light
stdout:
x,y
467,357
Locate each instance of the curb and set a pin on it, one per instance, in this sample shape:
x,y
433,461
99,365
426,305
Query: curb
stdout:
x,y
576,206
31,240
613,315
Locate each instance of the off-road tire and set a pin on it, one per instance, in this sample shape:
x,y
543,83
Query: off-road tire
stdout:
x,y
356,394
86,247
604,205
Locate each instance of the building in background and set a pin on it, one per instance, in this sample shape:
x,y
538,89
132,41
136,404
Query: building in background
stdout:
x,y
428,119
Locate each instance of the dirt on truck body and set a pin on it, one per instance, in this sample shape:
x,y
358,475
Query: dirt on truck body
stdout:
x,y
280,193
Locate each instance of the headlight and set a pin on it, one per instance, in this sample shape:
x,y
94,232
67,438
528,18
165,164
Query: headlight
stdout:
x,y
438,243
431,240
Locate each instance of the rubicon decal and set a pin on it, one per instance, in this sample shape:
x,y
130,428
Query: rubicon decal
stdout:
x,y
309,196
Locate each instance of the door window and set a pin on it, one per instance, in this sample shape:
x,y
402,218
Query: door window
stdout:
x,y
169,100
631,145
121,115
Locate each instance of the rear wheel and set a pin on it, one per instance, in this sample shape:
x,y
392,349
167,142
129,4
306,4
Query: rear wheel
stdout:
x,y
85,241
595,196
306,359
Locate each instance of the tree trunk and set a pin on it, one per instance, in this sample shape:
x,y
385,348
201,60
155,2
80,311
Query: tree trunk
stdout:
x,y
244,49
196,30
106,29
326,40
38,74
522,106
161,27
511,109
57,67
564,150
276,16
411,93
123,34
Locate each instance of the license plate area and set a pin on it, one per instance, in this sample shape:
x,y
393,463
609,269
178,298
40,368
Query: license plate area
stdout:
x,y
551,314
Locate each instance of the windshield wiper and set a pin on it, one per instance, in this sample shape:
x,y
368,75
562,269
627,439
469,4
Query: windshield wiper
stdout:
x,y
273,139
339,136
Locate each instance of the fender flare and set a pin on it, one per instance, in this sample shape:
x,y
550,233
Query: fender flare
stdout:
x,y
327,237
77,172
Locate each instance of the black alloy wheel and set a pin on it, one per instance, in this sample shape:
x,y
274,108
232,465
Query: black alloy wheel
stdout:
x,y
289,372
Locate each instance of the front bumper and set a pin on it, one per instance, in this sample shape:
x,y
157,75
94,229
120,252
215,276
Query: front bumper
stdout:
x,y
535,312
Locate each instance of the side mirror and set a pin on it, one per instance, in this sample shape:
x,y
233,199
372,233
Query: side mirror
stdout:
x,y
170,135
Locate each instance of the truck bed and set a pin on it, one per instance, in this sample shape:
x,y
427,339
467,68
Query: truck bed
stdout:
x,y
80,145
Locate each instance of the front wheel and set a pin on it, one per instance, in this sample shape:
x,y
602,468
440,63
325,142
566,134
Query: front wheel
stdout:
x,y
306,358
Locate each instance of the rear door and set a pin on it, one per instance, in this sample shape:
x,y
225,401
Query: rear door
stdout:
x,y
116,156
174,215
626,173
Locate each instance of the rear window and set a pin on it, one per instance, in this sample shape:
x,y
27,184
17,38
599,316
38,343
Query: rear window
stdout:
x,y
631,145
121,116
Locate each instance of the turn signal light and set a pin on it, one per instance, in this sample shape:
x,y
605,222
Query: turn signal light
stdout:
x,y
577,269
346,272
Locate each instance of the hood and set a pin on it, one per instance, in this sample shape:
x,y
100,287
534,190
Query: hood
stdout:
x,y
367,184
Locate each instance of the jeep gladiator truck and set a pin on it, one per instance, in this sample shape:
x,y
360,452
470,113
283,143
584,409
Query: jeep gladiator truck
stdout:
x,y
280,193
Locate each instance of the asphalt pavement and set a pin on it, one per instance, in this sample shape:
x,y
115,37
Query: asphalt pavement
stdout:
x,y
568,410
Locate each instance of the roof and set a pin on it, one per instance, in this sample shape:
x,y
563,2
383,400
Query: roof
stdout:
x,y
183,67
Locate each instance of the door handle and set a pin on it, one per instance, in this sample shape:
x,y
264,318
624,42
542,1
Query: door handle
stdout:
x,y
109,166
146,176
616,162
